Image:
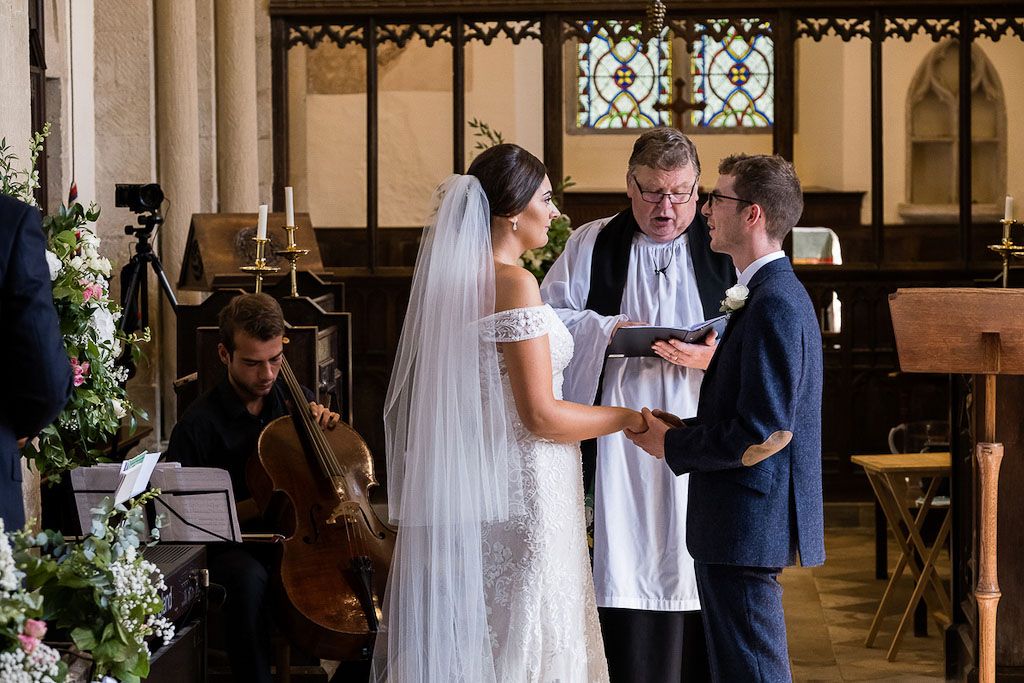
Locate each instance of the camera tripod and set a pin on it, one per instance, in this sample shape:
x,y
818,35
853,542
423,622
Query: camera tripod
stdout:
x,y
134,278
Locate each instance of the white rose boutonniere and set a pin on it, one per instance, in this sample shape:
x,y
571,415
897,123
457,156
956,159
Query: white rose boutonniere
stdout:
x,y
735,298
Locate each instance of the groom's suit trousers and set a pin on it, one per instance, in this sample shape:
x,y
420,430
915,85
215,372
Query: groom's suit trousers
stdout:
x,y
744,623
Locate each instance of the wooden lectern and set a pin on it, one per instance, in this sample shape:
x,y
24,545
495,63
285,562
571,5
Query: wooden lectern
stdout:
x,y
979,332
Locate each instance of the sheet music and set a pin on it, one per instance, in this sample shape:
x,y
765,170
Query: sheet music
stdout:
x,y
201,495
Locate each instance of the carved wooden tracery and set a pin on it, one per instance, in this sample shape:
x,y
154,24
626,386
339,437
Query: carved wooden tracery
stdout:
x,y
842,27
311,36
401,33
515,31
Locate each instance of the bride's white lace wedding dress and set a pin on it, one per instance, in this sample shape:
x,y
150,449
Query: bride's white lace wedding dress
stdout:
x,y
539,589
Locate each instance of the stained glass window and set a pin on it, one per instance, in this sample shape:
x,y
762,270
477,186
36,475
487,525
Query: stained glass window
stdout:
x,y
619,83
733,77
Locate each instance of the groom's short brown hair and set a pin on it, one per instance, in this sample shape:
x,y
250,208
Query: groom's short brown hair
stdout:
x,y
770,182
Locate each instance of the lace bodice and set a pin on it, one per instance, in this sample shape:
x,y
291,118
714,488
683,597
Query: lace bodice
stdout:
x,y
520,324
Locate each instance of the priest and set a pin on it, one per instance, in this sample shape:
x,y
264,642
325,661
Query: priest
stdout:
x,y
650,264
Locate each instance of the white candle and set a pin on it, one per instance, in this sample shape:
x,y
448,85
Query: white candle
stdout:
x,y
289,206
1008,209
261,227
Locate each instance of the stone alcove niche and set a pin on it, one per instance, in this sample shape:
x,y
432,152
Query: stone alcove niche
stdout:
x,y
932,139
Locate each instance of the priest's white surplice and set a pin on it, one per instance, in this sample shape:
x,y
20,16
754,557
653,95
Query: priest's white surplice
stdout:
x,y
640,557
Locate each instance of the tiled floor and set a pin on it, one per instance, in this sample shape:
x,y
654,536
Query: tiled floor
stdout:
x,y
829,610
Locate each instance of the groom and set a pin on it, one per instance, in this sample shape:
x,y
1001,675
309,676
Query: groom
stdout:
x,y
754,450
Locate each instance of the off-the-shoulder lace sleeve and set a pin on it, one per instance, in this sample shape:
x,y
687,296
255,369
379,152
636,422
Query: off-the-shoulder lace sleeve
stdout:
x,y
516,324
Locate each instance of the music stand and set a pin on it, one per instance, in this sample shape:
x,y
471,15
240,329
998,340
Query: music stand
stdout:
x,y
197,503
979,332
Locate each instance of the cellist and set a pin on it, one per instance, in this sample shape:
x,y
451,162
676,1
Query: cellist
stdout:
x,y
221,429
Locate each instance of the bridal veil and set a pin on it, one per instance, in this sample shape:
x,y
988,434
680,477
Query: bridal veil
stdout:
x,y
451,456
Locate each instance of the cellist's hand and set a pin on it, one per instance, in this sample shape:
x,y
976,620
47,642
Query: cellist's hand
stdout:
x,y
324,417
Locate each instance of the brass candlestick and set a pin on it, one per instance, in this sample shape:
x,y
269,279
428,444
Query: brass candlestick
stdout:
x,y
260,266
293,254
1007,248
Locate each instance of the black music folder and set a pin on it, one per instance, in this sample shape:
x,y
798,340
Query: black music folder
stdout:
x,y
637,341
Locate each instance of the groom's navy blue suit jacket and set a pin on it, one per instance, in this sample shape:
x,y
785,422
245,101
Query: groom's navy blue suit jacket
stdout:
x,y
754,450
37,375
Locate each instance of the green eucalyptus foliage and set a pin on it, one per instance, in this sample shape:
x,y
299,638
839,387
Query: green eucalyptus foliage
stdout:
x,y
78,584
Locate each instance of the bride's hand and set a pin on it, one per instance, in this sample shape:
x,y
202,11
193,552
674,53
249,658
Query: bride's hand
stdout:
x,y
637,424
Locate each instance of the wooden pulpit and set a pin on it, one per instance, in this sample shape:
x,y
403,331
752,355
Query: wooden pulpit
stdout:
x,y
219,244
978,332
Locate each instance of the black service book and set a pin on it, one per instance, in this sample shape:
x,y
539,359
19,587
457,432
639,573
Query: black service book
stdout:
x,y
637,341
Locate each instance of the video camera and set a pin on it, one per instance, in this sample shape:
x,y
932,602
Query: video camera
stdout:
x,y
139,198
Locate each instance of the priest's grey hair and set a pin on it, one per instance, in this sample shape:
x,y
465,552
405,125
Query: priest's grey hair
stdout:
x,y
664,148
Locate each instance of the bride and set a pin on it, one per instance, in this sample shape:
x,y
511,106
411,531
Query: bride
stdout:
x,y
491,580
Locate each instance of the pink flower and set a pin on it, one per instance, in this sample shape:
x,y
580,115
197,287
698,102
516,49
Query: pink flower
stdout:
x,y
35,628
91,290
81,370
28,643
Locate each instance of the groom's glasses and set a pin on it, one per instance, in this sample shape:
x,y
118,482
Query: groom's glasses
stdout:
x,y
714,196
656,197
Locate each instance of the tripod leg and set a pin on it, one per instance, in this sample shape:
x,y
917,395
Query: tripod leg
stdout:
x,y
131,278
161,277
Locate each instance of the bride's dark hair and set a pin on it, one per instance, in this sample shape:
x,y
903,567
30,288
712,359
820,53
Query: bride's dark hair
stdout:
x,y
509,175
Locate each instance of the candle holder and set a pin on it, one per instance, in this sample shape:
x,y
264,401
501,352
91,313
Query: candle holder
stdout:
x,y
293,253
1007,248
259,266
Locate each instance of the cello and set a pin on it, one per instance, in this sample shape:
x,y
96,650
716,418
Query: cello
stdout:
x,y
337,552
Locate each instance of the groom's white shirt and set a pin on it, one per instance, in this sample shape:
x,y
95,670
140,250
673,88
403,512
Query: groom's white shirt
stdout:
x,y
640,557
744,278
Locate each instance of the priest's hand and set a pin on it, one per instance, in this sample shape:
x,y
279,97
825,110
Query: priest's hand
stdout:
x,y
624,323
653,439
323,415
696,356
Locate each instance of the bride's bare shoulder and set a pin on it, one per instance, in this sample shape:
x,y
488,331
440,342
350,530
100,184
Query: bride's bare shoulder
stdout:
x,y
514,287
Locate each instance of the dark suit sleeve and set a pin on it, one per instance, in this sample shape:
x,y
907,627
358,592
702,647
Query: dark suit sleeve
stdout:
x,y
762,423
39,372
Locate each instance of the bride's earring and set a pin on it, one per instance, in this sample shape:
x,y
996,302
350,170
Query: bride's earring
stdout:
x,y
515,223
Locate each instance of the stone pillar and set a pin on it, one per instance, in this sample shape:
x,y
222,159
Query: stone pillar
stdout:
x,y
237,155
297,140
83,97
16,104
16,126
177,132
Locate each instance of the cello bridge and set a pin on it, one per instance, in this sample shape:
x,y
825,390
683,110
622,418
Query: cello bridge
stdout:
x,y
348,510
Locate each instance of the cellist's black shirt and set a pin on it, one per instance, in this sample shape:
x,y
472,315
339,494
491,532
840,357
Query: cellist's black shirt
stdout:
x,y
217,431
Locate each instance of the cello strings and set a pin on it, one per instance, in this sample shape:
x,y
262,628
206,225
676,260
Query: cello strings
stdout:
x,y
324,455
320,445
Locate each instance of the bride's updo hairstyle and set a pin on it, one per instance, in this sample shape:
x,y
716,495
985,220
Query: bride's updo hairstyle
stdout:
x,y
509,175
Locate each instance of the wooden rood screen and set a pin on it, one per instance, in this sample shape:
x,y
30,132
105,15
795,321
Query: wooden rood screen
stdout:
x,y
865,392
374,24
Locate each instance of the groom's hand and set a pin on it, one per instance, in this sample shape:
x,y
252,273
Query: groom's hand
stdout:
x,y
696,356
652,440
673,420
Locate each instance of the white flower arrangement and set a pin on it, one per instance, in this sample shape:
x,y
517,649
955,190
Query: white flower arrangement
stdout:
x,y
88,321
735,299
101,592
24,658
